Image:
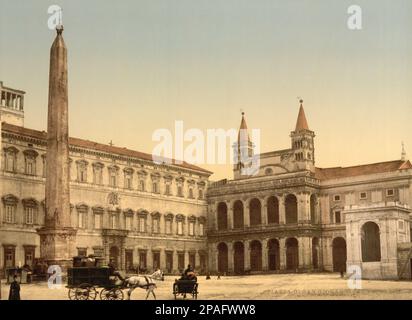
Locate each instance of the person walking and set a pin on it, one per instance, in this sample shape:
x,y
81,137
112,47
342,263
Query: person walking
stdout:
x,y
14,293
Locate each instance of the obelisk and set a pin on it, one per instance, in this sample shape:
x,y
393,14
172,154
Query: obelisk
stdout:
x,y
57,237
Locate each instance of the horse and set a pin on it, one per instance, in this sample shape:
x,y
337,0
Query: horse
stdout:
x,y
144,282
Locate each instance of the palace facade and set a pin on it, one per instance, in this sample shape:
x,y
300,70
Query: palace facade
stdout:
x,y
123,205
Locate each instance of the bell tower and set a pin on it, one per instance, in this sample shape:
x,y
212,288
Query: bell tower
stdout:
x,y
303,142
243,152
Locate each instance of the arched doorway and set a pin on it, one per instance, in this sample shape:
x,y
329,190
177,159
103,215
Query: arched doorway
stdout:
x,y
238,220
371,244
273,254
273,210
239,257
339,254
114,256
222,258
222,216
255,210
291,209
255,256
315,253
292,254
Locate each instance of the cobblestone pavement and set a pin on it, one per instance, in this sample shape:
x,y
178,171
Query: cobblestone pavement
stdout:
x,y
283,286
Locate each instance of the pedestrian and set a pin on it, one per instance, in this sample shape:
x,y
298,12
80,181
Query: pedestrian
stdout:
x,y
14,293
342,272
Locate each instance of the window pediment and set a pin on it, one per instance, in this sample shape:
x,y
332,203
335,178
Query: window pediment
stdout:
x,y
82,207
180,217
97,165
128,170
10,199
30,153
30,202
98,209
155,214
128,212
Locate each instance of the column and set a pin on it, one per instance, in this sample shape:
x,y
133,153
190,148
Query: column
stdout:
x,y
246,216
265,265
303,207
264,211
282,213
301,251
230,257
149,258
282,253
230,215
186,258
197,260
327,254
247,254
175,262
162,259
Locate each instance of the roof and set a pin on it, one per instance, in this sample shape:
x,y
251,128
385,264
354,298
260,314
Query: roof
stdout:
x,y
380,167
301,123
87,144
243,129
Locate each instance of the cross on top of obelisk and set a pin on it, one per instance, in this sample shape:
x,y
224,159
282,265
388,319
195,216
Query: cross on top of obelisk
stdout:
x,y
59,29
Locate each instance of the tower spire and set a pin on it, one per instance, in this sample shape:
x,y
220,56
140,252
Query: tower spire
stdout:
x,y
301,123
403,154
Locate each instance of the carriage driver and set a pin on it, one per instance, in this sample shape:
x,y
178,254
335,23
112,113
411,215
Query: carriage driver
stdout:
x,y
188,269
113,271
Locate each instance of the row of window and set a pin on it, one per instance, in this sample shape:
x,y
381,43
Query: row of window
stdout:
x,y
31,209
10,161
142,223
363,195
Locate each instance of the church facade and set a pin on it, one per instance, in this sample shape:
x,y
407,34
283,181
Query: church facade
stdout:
x,y
292,216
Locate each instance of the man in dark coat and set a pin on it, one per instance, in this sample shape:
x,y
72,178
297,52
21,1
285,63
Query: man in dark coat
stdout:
x,y
113,271
14,293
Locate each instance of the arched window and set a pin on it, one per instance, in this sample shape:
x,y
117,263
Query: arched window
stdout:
x,y
273,210
222,216
238,214
255,212
291,209
371,245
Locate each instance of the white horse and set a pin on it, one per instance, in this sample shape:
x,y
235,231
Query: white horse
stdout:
x,y
144,282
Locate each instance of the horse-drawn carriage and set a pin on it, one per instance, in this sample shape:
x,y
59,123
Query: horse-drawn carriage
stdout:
x,y
187,284
87,276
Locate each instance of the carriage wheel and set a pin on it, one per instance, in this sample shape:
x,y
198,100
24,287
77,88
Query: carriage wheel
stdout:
x,y
92,293
83,292
111,294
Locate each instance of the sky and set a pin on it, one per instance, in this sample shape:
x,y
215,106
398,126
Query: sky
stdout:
x,y
138,66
